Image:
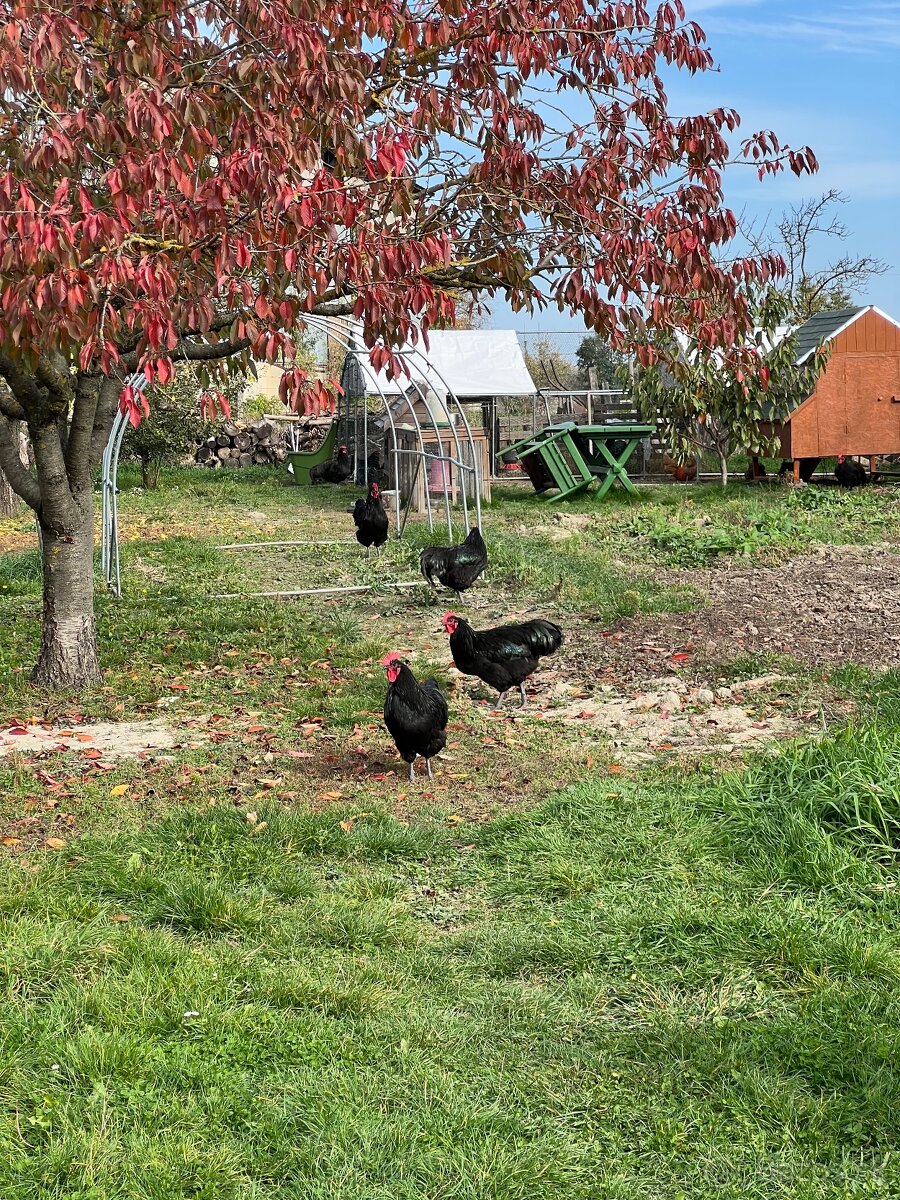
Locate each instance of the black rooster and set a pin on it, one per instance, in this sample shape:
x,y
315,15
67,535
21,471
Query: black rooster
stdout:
x,y
370,519
338,470
414,713
456,567
503,657
850,474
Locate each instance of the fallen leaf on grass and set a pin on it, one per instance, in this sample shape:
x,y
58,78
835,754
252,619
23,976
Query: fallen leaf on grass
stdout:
x,y
120,917
93,753
330,795
82,737
120,790
348,823
615,768
454,819
17,730
56,843
9,841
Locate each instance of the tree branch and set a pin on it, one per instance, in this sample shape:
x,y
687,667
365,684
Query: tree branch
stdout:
x,y
209,351
58,383
78,450
104,415
20,479
10,407
23,386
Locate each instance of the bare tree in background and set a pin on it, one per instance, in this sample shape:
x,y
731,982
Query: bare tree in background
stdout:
x,y
10,504
799,232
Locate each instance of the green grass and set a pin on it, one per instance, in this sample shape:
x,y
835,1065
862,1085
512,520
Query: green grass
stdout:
x,y
246,974
621,993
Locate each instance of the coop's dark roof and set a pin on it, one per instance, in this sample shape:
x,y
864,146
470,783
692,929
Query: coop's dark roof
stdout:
x,y
820,328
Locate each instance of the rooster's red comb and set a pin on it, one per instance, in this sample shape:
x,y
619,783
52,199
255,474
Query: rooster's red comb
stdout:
x,y
390,658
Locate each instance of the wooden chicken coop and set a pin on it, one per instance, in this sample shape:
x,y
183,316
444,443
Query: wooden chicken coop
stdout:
x,y
415,477
855,407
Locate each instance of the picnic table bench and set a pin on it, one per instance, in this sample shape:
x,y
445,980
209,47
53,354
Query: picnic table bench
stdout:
x,y
570,457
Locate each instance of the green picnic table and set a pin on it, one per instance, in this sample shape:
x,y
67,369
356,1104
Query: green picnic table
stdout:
x,y
570,457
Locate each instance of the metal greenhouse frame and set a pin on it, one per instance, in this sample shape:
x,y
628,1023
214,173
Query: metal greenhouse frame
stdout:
x,y
353,411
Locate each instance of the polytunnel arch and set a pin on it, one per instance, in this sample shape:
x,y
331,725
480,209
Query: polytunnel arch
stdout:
x,y
423,374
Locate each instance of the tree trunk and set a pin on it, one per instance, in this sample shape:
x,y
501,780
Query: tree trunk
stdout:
x,y
150,470
10,504
68,657
723,468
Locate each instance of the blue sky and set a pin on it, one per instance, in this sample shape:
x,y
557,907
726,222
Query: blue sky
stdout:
x,y
823,73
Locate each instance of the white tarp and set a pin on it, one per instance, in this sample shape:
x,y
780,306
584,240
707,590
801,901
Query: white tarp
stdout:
x,y
470,362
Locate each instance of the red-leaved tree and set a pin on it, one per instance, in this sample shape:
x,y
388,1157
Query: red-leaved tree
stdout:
x,y
187,181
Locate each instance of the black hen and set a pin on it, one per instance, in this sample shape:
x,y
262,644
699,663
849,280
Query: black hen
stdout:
x,y
414,713
850,474
503,657
338,470
456,567
370,519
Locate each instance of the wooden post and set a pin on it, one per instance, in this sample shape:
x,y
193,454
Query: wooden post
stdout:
x,y
796,470
873,464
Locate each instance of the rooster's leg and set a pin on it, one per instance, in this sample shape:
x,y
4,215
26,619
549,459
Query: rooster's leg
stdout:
x,y
412,773
524,697
502,698
428,765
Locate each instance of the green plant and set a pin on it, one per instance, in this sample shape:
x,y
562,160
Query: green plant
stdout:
x,y
705,399
175,424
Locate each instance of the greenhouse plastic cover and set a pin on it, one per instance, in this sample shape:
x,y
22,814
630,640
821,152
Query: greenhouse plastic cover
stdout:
x,y
470,362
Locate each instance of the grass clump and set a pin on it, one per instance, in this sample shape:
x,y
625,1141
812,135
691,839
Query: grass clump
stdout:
x,y
848,782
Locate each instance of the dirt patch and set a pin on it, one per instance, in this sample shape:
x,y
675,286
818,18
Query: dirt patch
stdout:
x,y
105,740
838,605
674,717
640,692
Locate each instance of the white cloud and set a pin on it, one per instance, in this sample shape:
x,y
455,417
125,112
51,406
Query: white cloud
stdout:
x,y
871,28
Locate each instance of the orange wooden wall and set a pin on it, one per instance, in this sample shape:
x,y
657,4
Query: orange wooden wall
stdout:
x,y
854,409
